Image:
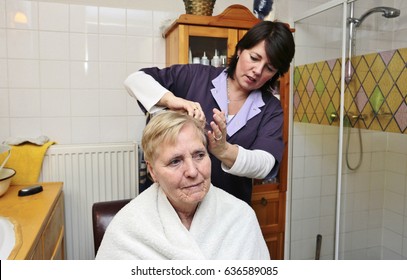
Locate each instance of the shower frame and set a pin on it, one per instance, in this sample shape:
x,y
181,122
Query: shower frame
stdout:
x,y
327,198
311,12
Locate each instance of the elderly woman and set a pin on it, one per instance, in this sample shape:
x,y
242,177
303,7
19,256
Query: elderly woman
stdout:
x,y
182,215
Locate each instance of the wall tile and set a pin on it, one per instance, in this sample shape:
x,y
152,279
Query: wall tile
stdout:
x,y
4,128
54,45
84,19
84,75
55,103
25,127
112,75
3,44
22,14
85,130
25,103
85,103
84,47
53,16
4,103
139,49
23,73
139,22
112,48
113,129
3,74
112,102
54,74
2,13
22,44
112,21
57,129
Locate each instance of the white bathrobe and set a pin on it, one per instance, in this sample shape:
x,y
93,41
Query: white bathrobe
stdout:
x,y
148,228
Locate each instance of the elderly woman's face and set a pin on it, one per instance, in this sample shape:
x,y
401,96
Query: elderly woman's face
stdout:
x,y
183,169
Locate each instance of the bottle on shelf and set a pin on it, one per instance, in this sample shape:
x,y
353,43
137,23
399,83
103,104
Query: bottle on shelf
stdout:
x,y
204,59
215,59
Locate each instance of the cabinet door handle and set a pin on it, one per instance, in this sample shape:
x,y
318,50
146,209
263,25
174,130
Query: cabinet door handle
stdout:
x,y
263,201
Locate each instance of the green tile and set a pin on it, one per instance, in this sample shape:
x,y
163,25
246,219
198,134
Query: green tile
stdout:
x,y
376,99
320,86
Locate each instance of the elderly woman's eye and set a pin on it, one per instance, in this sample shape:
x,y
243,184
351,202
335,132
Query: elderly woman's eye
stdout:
x,y
174,162
200,155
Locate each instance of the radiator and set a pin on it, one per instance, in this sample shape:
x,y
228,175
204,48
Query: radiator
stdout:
x,y
90,173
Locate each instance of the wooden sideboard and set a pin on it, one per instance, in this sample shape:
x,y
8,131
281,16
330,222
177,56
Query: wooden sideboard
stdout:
x,y
38,220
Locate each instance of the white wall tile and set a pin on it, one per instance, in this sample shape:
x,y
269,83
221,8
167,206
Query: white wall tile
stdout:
x,y
84,47
113,129
23,73
25,103
22,44
2,13
85,103
57,129
3,44
84,19
25,127
3,74
54,74
112,102
54,45
159,54
139,49
84,75
22,14
4,104
112,20
133,109
139,22
135,126
53,16
55,103
112,75
4,128
85,130
112,48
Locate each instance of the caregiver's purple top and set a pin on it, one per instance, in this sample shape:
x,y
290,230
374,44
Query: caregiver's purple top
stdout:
x,y
257,126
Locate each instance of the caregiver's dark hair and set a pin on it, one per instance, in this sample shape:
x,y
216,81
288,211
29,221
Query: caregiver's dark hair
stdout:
x,y
279,44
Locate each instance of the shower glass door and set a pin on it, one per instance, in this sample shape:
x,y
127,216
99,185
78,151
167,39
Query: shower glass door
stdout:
x,y
316,105
373,212
349,146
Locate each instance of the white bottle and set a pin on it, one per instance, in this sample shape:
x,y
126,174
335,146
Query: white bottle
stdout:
x,y
204,59
190,56
215,59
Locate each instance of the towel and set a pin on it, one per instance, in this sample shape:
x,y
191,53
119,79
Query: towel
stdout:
x,y
26,159
149,228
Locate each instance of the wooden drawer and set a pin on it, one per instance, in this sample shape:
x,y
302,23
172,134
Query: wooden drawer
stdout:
x,y
53,230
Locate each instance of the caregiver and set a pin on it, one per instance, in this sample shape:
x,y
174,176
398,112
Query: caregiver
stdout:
x,y
245,119
178,216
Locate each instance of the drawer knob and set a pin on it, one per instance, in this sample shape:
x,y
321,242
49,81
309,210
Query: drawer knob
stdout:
x,y
263,201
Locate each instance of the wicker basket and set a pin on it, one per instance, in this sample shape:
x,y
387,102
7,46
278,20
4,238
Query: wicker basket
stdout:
x,y
199,7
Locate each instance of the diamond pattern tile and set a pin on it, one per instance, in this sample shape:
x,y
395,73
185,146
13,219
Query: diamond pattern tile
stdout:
x,y
378,91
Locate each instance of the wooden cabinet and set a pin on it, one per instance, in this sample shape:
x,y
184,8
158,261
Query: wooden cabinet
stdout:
x,y
39,222
269,198
51,244
222,32
206,33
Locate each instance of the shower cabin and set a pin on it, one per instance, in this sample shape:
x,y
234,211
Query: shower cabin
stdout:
x,y
348,151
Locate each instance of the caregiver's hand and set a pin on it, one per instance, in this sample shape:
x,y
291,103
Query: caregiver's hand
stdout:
x,y
175,103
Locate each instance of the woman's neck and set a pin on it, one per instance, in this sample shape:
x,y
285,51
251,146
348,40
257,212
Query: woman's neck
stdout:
x,y
186,216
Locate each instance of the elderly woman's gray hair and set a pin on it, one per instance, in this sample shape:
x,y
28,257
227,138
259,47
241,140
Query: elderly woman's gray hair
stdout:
x,y
165,127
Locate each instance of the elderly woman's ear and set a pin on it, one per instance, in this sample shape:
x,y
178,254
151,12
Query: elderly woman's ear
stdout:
x,y
151,172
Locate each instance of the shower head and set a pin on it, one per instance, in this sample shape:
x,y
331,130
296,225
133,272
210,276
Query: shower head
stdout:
x,y
387,12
